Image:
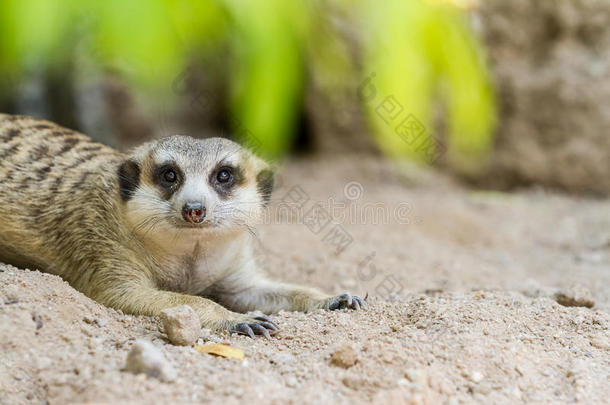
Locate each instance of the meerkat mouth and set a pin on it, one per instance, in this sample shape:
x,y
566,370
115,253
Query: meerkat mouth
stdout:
x,y
199,225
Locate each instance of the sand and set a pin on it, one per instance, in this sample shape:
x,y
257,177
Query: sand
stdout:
x,y
474,297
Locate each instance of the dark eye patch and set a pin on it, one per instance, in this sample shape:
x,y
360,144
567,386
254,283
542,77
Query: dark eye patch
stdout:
x,y
264,184
219,182
169,178
129,179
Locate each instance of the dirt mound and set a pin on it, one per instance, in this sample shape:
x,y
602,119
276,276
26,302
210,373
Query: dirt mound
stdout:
x,y
58,346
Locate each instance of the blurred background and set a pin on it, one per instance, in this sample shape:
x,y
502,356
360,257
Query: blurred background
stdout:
x,y
499,94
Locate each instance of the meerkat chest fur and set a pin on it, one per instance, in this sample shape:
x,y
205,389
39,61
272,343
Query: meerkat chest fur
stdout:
x,y
195,264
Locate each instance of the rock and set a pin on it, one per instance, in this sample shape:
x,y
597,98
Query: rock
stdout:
x,y
11,294
95,321
352,382
145,358
476,377
601,342
42,362
416,376
344,356
402,382
281,358
37,320
291,382
411,374
181,325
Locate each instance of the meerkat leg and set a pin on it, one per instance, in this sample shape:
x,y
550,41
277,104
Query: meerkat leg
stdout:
x,y
243,293
141,299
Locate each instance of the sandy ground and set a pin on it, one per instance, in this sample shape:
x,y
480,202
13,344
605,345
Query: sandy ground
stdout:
x,y
475,297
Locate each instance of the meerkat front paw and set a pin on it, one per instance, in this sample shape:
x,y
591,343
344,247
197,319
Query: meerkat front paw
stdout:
x,y
251,326
346,301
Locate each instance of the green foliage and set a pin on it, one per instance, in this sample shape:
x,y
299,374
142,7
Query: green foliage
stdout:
x,y
418,52
268,72
421,54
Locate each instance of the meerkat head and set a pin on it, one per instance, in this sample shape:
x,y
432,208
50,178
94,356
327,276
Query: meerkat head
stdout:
x,y
181,183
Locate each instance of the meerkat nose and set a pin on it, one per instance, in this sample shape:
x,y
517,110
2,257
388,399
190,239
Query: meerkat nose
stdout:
x,y
193,212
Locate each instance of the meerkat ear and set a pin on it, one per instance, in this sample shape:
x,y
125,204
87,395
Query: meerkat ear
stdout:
x,y
129,178
264,184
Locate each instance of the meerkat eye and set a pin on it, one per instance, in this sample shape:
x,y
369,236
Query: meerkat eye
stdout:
x,y
169,176
225,175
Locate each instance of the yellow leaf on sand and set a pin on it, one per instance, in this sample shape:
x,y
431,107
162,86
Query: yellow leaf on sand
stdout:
x,y
221,350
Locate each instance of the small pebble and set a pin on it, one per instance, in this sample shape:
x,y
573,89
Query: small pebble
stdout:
x,y
11,294
291,382
476,377
145,358
415,376
43,362
344,356
181,325
602,342
402,382
95,321
37,320
281,358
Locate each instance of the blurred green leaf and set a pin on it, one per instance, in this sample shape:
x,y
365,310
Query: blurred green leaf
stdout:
x,y
415,55
268,69
198,23
35,34
414,48
137,36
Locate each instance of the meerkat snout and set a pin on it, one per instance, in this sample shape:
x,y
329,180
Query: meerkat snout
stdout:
x,y
193,212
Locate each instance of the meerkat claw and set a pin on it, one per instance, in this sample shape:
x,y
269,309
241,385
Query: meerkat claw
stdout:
x,y
344,301
270,326
274,326
265,327
243,329
361,302
260,330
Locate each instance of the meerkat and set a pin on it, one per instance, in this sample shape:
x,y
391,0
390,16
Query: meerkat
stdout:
x,y
165,225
